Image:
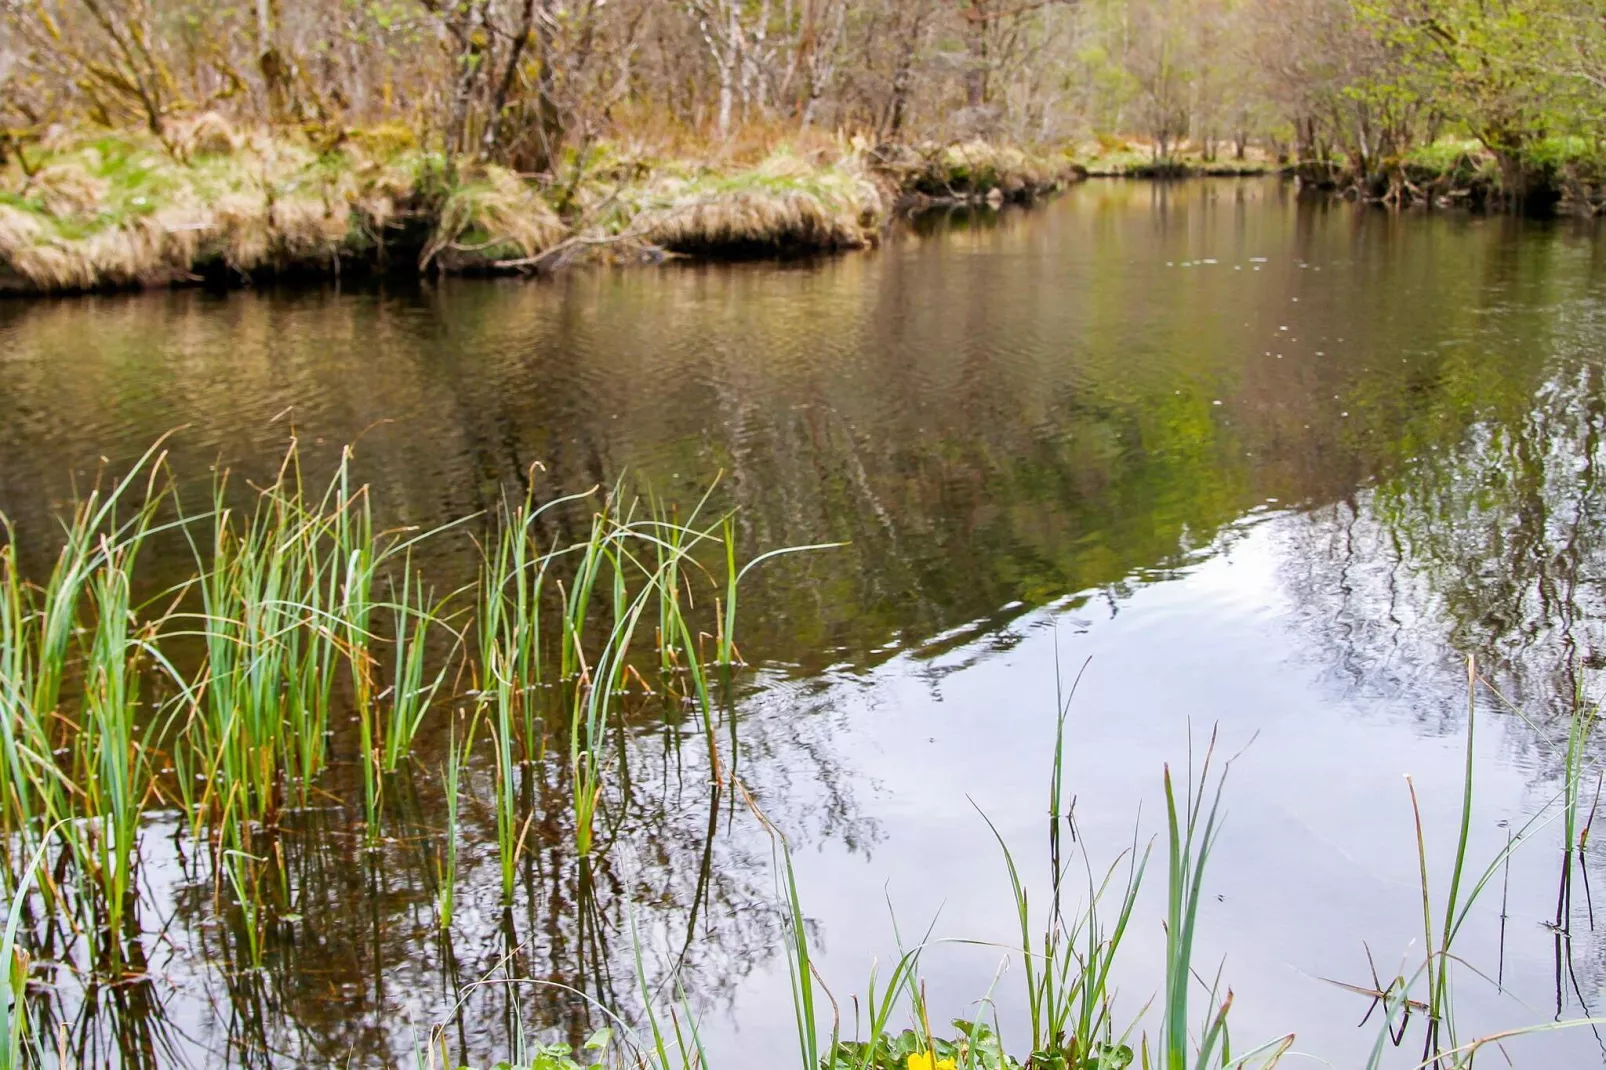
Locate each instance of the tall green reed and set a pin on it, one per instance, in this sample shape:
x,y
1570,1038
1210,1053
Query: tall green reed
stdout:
x,y
646,563
19,1049
283,622
288,604
1193,822
451,786
512,685
1574,839
411,690
735,574
29,788
622,568
1438,972
1429,987
111,764
1068,983
596,693
360,560
80,757
108,740
269,584
509,608
41,630
504,769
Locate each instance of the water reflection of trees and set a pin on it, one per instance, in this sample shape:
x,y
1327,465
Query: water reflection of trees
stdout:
x,y
1484,540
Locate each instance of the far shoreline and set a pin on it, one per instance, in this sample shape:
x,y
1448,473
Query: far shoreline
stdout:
x,y
222,209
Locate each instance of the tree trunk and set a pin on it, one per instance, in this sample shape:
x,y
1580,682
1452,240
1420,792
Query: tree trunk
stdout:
x,y
493,125
271,62
903,73
470,54
549,114
726,98
976,47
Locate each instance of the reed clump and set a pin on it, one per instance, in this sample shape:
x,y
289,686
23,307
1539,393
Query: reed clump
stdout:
x,y
223,697
1068,952
80,738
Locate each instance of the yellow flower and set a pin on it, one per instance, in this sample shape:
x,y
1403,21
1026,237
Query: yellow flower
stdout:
x,y
925,1060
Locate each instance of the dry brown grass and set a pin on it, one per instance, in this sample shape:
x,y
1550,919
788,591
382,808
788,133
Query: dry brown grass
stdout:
x,y
18,230
491,216
757,221
147,249
785,204
975,170
648,130
22,252
124,211
206,134
66,190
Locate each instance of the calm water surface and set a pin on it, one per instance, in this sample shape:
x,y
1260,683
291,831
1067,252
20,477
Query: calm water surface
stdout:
x,y
1269,464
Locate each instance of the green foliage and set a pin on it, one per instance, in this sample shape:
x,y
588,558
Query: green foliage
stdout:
x,y
558,1056
975,1046
1497,70
1448,155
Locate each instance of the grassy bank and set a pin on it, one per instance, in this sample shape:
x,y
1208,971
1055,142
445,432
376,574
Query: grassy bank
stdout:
x,y
1542,176
1111,156
214,203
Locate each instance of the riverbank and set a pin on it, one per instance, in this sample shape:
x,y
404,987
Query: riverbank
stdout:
x,y
214,204
1551,176
1548,176
1109,156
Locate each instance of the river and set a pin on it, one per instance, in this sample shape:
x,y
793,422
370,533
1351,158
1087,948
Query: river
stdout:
x,y
1251,463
